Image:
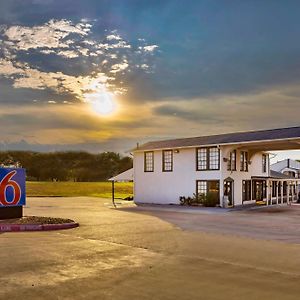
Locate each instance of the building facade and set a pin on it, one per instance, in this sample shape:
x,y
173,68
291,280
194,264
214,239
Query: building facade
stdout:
x,y
234,167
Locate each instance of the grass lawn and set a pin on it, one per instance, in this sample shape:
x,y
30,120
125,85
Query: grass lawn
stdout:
x,y
73,189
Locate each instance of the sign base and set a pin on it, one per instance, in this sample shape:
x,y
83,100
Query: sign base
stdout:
x,y
11,212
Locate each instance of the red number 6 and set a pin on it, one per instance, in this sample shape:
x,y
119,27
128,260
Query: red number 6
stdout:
x,y
6,182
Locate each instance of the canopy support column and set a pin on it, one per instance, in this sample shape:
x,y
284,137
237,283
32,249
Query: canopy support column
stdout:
x,y
277,188
113,193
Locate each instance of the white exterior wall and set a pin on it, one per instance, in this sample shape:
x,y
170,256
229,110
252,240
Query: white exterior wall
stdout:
x,y
166,187
254,169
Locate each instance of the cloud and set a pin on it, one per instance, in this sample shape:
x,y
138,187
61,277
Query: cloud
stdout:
x,y
119,67
150,48
104,62
50,35
113,37
69,53
189,114
7,68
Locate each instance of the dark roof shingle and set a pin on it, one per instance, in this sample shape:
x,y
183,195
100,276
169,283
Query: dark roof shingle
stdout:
x,y
228,138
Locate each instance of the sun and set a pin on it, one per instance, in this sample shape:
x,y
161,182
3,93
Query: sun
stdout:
x,y
102,103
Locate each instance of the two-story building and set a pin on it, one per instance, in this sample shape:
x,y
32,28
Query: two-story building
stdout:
x,y
233,166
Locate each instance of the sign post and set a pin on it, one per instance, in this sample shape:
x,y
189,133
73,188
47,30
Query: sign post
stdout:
x,y
12,192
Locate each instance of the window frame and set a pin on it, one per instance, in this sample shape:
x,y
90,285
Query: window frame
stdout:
x,y
207,186
145,161
264,163
207,159
244,166
274,188
164,161
231,167
246,192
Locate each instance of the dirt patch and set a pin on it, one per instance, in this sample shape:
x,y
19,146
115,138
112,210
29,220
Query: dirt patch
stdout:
x,y
36,220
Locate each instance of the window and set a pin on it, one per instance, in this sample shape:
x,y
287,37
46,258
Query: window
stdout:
x,y
213,158
208,158
264,163
246,190
208,186
279,188
167,161
284,188
201,188
274,188
232,161
149,161
202,159
244,161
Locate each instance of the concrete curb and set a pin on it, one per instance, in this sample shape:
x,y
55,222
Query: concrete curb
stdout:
x,y
36,227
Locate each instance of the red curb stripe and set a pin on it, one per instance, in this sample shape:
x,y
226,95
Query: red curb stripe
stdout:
x,y
35,227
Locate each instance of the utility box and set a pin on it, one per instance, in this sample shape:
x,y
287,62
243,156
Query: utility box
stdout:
x,y
12,192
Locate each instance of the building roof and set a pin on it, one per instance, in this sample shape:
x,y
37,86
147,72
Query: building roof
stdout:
x,y
274,175
286,164
124,176
278,175
228,138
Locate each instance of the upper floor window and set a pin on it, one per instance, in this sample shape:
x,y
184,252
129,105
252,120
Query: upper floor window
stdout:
x,y
149,161
232,161
208,158
167,160
244,161
264,163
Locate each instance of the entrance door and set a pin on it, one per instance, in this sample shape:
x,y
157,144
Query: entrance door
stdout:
x,y
259,190
228,191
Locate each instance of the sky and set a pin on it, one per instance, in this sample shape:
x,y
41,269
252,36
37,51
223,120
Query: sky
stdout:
x,y
103,75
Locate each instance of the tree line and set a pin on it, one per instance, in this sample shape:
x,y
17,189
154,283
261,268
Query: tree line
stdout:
x,y
68,166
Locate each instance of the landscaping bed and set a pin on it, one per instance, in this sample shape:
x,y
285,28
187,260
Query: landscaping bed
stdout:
x,y
34,223
36,220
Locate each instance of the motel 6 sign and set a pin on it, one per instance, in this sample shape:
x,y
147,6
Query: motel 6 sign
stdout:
x,y
12,187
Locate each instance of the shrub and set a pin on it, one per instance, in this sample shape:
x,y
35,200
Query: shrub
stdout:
x,y
185,200
190,201
211,199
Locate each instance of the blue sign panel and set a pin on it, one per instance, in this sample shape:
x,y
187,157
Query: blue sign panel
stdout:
x,y
12,187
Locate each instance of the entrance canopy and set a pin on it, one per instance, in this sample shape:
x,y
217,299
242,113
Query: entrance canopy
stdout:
x,y
123,177
275,145
126,176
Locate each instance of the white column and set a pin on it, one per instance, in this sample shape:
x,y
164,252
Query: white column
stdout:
x,y
267,192
287,192
281,187
277,187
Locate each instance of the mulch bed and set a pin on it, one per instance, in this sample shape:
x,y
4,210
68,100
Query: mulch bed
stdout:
x,y
36,220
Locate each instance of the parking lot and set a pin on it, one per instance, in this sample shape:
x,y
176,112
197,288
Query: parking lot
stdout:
x,y
153,253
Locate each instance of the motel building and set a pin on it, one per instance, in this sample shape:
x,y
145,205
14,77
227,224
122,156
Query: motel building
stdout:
x,y
234,167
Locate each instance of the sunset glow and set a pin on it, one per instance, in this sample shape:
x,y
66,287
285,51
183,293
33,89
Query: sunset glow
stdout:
x,y
90,75
102,103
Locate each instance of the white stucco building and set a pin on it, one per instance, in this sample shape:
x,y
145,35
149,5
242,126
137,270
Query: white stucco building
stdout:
x,y
233,166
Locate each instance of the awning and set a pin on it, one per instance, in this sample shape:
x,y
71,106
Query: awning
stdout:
x,y
124,176
274,175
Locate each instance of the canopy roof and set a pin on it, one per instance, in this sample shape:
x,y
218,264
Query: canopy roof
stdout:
x,y
124,176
